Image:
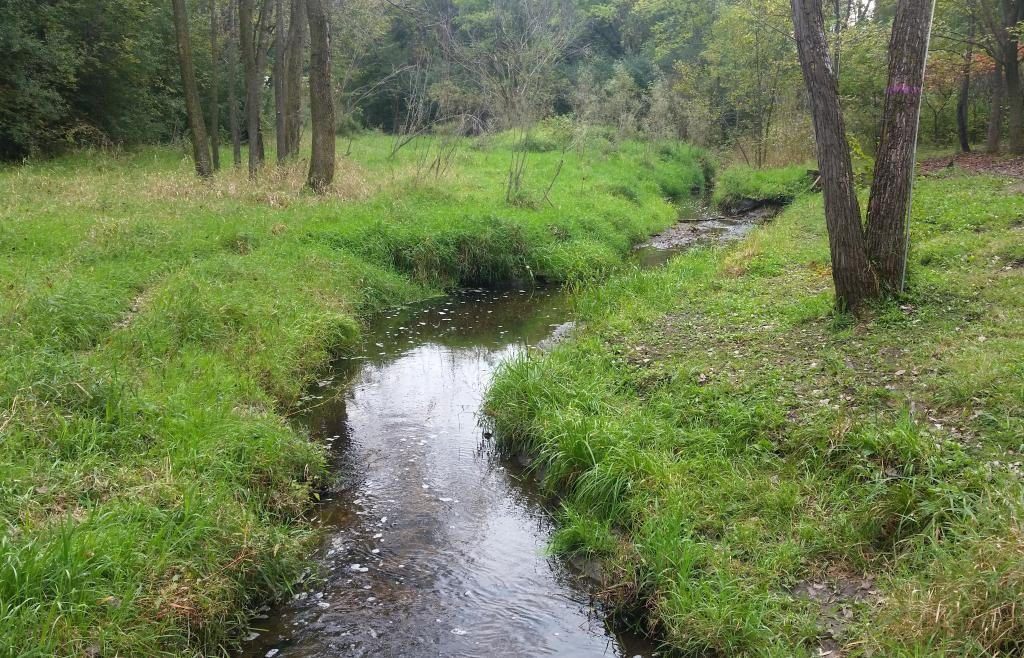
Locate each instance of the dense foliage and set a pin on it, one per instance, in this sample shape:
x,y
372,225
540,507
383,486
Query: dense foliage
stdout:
x,y
86,72
717,73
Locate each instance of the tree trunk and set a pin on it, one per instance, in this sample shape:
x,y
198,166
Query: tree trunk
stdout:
x,y
894,164
963,97
247,34
200,147
214,90
1013,14
1014,102
279,87
232,83
294,50
995,120
851,272
321,100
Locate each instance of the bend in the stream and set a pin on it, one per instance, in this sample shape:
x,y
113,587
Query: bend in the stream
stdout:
x,y
434,545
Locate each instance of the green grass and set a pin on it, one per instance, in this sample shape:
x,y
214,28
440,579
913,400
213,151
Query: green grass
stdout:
x,y
738,184
156,330
725,442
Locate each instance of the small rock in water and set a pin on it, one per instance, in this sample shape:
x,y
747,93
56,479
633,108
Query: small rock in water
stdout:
x,y
251,636
459,631
272,653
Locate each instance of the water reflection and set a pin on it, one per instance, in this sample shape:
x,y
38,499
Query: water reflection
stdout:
x,y
433,547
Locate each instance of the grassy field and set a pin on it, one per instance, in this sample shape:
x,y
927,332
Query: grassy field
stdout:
x,y
157,331
763,477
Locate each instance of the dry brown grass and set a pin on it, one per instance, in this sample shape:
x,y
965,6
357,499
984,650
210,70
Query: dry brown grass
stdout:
x,y
276,186
972,601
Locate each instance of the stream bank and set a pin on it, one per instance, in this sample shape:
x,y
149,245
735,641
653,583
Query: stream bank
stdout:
x,y
762,475
433,544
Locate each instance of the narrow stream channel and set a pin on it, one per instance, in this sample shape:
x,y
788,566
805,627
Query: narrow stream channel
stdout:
x,y
433,545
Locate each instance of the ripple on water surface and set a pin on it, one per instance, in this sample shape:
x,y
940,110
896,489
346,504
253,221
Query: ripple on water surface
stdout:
x,y
433,546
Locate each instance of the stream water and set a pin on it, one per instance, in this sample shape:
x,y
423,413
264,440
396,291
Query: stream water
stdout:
x,y
432,544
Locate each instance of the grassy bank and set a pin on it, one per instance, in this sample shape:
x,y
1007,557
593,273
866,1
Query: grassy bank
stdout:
x,y
736,186
763,477
156,331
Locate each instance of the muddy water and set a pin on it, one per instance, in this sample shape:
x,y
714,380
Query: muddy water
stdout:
x,y
434,546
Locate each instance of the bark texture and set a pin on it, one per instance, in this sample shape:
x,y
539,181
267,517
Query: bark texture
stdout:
x,y
253,59
963,97
294,51
851,271
200,147
889,205
995,119
234,122
321,100
1013,13
214,88
279,86
1014,107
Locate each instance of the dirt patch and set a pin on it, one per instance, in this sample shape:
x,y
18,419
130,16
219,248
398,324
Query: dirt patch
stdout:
x,y
975,163
138,304
836,595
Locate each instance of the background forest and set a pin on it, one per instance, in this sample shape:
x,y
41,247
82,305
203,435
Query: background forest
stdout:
x,y
763,422
721,73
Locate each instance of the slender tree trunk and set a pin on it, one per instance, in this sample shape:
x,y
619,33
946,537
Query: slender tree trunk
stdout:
x,y
247,33
995,120
963,97
1013,13
321,100
894,164
294,51
279,86
232,60
214,90
851,272
1014,102
200,147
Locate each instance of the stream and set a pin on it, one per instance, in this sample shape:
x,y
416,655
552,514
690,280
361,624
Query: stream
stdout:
x,y
432,544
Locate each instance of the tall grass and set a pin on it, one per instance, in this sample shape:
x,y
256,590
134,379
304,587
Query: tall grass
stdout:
x,y
739,184
726,443
156,329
